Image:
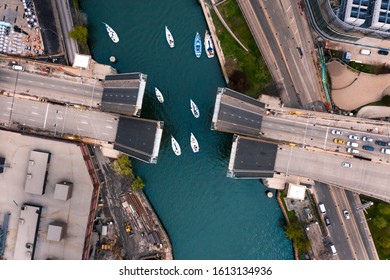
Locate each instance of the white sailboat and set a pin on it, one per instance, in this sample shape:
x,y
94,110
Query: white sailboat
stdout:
x,y
194,143
208,45
194,109
169,37
159,95
114,37
175,146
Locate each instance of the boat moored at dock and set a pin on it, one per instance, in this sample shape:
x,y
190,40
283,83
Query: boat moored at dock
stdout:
x,y
198,45
208,45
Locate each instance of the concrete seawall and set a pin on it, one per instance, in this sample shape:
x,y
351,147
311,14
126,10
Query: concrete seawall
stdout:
x,y
217,44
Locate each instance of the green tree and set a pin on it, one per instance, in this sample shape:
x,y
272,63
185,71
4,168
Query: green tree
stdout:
x,y
384,241
379,222
384,208
122,166
79,33
293,231
137,184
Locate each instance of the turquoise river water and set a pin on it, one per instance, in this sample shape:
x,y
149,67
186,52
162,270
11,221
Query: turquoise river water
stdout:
x,y
206,214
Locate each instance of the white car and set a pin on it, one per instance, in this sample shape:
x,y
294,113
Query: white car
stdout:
x,y
346,165
367,139
352,144
337,132
346,214
352,151
353,137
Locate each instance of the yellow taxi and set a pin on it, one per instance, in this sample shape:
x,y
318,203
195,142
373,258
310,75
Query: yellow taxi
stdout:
x,y
338,141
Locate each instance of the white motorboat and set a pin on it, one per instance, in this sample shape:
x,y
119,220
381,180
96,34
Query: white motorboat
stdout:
x,y
159,95
175,146
208,45
194,109
194,143
168,35
114,37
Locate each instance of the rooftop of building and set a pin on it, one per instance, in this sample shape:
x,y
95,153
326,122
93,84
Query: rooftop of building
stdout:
x,y
66,164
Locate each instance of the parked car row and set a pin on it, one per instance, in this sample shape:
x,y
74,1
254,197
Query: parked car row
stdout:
x,y
353,145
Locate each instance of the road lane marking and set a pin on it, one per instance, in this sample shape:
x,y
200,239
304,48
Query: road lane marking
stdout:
x,y
47,112
34,113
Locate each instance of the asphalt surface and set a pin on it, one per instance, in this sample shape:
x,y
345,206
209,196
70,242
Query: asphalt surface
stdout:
x,y
365,177
279,31
350,237
264,37
50,37
55,89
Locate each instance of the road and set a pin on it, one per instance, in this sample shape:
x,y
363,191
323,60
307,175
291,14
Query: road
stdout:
x,y
312,134
365,177
52,88
59,119
351,238
67,25
279,31
267,44
336,233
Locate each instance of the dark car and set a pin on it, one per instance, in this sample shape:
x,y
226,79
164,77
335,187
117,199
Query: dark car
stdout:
x,y
368,148
381,143
383,52
327,221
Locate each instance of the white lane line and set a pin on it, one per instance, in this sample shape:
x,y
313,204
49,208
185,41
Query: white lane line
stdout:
x,y
31,120
34,113
30,81
47,112
326,136
84,122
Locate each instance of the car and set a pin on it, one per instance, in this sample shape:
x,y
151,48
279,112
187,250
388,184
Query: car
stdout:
x,y
338,141
368,148
385,151
337,132
352,151
327,221
322,208
309,216
381,143
353,137
346,165
346,214
383,52
352,144
333,249
367,139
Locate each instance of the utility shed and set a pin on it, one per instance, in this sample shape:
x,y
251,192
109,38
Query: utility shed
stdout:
x,y
56,232
63,191
296,192
37,171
